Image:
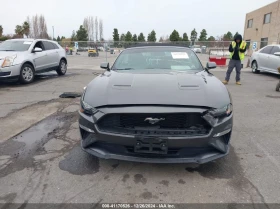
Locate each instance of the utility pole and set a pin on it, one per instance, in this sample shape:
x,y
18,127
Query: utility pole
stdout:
x,y
53,32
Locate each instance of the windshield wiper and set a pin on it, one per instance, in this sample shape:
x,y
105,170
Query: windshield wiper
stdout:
x,y
8,50
124,69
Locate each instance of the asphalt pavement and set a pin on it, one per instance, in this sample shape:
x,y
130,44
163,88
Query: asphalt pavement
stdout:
x,y
41,160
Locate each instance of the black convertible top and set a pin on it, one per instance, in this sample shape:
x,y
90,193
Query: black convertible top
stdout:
x,y
132,45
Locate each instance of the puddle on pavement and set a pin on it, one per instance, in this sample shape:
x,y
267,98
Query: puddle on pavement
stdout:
x,y
36,136
78,162
22,151
24,147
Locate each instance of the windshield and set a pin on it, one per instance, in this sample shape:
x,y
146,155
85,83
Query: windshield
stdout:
x,y
169,58
15,45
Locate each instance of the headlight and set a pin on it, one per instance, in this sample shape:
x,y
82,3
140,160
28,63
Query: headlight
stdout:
x,y
8,61
85,107
225,111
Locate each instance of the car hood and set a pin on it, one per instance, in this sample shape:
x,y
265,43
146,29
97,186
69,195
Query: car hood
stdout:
x,y
117,88
19,56
4,54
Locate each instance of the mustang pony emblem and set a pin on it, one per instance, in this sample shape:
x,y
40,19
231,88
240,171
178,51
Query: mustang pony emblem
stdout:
x,y
154,120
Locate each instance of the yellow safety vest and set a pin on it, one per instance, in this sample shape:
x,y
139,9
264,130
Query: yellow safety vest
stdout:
x,y
242,46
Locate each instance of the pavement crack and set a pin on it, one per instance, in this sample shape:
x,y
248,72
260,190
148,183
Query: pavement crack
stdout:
x,y
11,103
32,105
259,194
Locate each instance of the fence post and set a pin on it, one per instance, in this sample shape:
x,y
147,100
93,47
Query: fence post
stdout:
x,y
106,49
223,48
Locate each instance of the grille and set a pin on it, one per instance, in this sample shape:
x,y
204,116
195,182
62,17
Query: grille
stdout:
x,y
180,124
5,73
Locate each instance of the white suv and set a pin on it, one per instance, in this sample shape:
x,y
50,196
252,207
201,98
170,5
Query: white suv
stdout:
x,y
21,59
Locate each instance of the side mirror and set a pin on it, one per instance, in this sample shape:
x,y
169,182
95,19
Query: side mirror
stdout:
x,y
277,53
211,65
37,49
105,65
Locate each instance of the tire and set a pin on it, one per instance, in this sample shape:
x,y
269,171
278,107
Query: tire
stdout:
x,y
255,67
62,68
27,74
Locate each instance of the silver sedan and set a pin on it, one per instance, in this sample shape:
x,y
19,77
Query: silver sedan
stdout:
x,y
266,59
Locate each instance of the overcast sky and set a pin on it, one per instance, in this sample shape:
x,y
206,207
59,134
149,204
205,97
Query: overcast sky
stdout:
x,y
216,16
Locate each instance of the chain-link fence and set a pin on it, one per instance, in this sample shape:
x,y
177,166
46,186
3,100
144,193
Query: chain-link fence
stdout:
x,y
205,46
108,51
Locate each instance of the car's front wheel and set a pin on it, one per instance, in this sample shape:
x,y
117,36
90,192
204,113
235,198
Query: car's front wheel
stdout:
x,y
27,74
255,67
62,68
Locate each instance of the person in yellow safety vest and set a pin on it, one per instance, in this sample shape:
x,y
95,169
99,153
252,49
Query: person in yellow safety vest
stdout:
x,y
237,51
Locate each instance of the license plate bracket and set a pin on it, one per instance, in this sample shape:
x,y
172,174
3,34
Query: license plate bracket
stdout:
x,y
151,145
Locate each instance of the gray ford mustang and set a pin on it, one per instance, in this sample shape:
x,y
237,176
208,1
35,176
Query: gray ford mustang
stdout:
x,y
156,104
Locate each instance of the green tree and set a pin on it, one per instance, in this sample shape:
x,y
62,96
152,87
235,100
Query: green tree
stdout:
x,y
228,36
26,29
1,31
19,31
4,38
174,36
82,34
134,38
122,37
128,37
193,35
211,41
185,37
141,37
73,36
152,36
62,37
58,39
116,36
203,35
211,38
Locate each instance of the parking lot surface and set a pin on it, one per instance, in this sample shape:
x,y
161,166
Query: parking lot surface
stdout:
x,y
41,160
